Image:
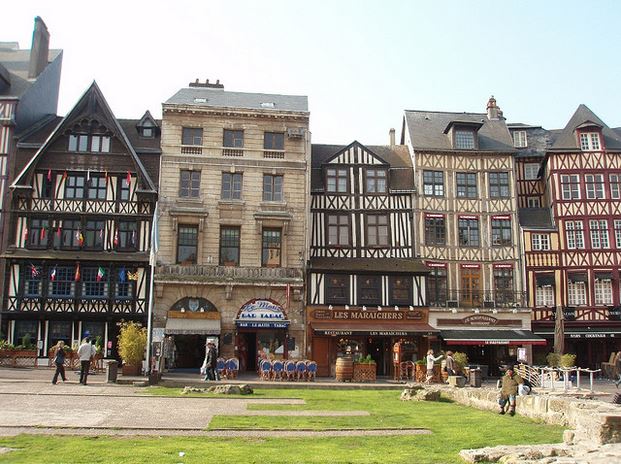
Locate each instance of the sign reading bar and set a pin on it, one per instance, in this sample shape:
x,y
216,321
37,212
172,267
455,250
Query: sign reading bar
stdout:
x,y
262,314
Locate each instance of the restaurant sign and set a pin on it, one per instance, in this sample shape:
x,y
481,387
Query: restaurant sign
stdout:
x,y
262,314
369,315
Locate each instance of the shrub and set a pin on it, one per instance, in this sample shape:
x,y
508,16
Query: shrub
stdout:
x,y
132,343
553,359
461,360
568,360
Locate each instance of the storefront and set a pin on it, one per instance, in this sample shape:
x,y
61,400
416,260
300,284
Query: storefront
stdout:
x,y
336,331
262,333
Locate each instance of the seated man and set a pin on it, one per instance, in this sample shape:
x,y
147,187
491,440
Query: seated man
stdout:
x,y
509,390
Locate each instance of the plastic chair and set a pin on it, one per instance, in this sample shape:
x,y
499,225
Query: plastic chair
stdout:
x,y
266,369
277,370
311,370
300,369
221,367
232,368
290,370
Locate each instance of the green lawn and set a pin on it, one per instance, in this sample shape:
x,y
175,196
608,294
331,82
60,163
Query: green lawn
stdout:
x,y
454,427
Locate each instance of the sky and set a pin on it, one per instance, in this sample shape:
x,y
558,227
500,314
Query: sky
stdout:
x,y
361,63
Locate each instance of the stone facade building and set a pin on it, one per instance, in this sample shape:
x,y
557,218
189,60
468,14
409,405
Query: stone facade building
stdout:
x,y
232,225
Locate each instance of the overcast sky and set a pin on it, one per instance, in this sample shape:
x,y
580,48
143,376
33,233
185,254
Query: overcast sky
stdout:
x,y
360,62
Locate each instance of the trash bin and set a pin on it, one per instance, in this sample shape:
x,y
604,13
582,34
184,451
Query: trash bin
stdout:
x,y
112,369
475,377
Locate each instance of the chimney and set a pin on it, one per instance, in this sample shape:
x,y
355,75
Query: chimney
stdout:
x,y
391,133
40,49
207,84
493,111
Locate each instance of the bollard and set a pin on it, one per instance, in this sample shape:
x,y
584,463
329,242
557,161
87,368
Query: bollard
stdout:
x,y
112,369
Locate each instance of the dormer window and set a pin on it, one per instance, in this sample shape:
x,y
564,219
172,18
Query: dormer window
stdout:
x,y
519,139
589,141
463,134
147,130
464,139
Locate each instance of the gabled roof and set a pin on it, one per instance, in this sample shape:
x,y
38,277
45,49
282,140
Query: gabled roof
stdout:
x,y
401,175
584,117
427,130
92,103
218,98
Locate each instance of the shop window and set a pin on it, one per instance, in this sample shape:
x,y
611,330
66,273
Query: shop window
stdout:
x,y
400,290
369,290
337,289
25,333
59,330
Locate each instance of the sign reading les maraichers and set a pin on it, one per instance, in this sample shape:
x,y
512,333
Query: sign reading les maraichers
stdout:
x,y
369,315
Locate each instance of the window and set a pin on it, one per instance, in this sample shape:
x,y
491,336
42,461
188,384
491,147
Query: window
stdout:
x,y
338,230
94,286
376,180
78,142
540,242
544,295
272,187
189,184
25,330
270,249
594,186
38,233
589,141
47,189
519,139
337,289
377,230
466,185
435,231
501,232
187,244
233,138
62,281
531,170
615,186
468,232
369,290
400,292
436,287
599,233
74,187
603,289
93,235
124,289
503,286
499,184
32,280
570,185
433,183
533,202
336,180
127,236
147,129
100,143
229,246
464,139
470,287
123,189
617,225
192,136
72,237
273,141
231,186
574,231
576,290
97,188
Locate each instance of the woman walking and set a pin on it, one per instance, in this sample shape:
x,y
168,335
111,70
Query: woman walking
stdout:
x,y
430,362
59,361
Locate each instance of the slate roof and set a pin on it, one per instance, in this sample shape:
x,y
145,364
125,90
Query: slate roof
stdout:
x,y
401,174
427,130
538,140
535,218
566,139
388,265
220,98
14,64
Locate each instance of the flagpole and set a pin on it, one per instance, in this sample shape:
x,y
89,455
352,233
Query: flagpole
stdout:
x,y
152,257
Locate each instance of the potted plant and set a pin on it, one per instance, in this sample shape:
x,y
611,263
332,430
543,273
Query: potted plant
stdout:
x,y
461,361
420,370
132,343
567,360
553,359
365,370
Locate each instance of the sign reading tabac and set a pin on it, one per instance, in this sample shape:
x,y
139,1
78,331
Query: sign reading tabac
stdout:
x,y
262,313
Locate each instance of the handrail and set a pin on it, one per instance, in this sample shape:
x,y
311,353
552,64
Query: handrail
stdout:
x,y
548,375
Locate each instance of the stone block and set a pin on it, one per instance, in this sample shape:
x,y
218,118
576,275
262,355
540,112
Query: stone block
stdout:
x,y
457,381
427,395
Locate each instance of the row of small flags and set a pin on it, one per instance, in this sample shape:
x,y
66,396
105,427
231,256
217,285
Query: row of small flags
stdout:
x,y
80,237
128,177
124,274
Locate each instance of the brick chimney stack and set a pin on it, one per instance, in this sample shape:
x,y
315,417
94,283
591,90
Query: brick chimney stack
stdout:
x,y
391,134
493,111
40,49
206,84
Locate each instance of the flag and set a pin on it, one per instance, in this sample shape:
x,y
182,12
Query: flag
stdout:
x,y
58,230
155,237
122,275
133,237
116,237
100,274
88,175
53,275
49,175
128,179
42,234
65,175
132,275
101,233
34,272
76,277
79,237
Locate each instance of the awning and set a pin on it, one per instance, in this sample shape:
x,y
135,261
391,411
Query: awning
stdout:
x,y
175,326
583,332
372,329
545,280
491,337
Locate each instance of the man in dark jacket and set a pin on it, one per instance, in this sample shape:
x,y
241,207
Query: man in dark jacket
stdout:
x,y
509,390
210,361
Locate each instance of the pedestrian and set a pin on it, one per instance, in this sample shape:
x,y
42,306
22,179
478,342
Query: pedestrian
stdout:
x,y
209,364
430,362
59,362
509,390
86,351
450,363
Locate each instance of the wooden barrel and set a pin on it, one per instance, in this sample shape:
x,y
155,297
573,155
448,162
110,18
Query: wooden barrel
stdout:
x,y
344,369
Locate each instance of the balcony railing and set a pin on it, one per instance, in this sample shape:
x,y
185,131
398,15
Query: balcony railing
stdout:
x,y
476,299
219,273
191,150
274,154
77,305
82,206
234,152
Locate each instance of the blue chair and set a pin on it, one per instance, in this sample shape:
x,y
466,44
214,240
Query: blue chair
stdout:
x,y
277,370
290,370
266,369
300,369
232,368
221,367
311,370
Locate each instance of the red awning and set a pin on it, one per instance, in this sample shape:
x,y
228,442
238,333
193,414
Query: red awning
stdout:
x,y
373,329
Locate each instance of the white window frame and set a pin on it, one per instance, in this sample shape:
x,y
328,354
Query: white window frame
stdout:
x,y
531,170
603,292
520,139
540,242
544,296
615,186
589,141
576,293
570,186
594,184
617,226
574,234
598,229
534,202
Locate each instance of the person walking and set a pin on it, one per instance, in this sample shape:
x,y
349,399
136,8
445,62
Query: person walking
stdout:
x,y
59,361
210,362
430,362
86,351
450,363
509,390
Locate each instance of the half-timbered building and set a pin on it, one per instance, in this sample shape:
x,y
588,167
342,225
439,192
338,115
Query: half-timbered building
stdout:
x,y
83,199
582,174
467,231
233,224
366,288
29,83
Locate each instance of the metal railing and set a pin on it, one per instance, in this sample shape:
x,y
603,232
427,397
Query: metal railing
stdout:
x,y
202,272
550,377
476,299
